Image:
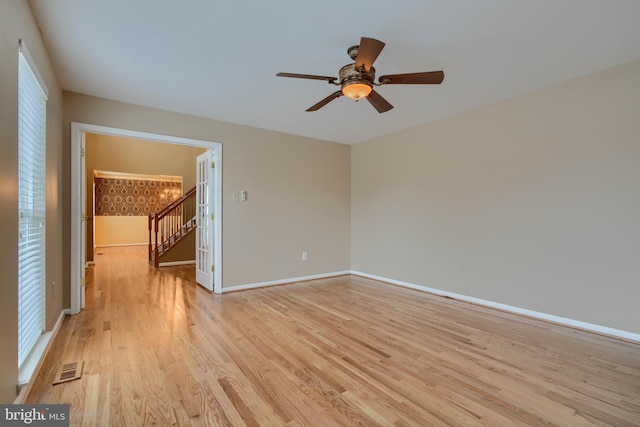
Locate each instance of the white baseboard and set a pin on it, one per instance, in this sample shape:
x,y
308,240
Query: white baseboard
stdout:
x,y
172,263
282,281
32,365
604,330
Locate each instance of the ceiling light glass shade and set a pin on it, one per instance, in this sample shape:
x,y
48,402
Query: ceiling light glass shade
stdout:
x,y
357,90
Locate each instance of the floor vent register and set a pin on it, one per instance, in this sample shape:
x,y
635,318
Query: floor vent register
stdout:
x,y
68,372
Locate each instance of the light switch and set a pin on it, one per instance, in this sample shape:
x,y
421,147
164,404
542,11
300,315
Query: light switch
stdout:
x,y
243,195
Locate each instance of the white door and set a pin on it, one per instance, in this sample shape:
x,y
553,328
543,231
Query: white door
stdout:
x,y
83,225
204,219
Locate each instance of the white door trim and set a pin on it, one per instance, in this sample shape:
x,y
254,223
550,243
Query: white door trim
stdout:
x,y
78,131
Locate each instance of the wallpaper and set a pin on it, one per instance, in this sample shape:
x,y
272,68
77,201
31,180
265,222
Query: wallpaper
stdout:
x,y
134,197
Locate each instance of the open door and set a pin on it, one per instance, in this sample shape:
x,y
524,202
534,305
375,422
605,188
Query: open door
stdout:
x,y
205,176
83,227
78,222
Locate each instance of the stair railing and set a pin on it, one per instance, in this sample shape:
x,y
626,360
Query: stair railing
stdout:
x,y
169,225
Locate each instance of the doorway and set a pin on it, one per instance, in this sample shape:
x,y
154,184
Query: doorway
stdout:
x,y
78,195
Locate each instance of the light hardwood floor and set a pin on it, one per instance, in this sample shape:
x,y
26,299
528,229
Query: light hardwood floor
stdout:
x,y
160,350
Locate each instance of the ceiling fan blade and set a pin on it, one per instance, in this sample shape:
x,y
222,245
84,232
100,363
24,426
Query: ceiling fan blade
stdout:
x,y
368,51
308,76
426,78
325,101
378,102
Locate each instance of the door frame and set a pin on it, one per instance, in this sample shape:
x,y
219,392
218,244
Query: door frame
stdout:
x,y
78,198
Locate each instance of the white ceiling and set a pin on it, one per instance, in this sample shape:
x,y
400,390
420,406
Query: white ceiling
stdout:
x,y
218,59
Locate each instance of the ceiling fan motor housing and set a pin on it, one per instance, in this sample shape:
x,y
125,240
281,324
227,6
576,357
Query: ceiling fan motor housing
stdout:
x,y
353,51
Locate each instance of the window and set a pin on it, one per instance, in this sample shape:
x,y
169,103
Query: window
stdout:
x,y
32,99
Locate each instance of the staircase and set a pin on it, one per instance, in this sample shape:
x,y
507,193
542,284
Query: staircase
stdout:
x,y
170,225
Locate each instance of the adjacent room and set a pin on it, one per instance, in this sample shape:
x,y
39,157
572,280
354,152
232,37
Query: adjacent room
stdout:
x,y
410,213
126,181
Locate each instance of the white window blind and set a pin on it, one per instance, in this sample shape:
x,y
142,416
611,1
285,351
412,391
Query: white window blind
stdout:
x,y
32,98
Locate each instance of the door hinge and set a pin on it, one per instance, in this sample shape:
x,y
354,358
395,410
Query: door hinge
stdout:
x,y
82,217
213,268
213,165
82,153
82,281
211,217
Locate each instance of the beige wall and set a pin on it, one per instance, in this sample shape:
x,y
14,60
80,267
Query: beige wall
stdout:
x,y
182,251
118,154
298,190
532,202
122,230
16,22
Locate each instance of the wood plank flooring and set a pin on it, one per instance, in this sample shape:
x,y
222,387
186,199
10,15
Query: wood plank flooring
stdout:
x,y
345,351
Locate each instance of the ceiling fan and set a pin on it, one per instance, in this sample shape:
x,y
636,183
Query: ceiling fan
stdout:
x,y
357,79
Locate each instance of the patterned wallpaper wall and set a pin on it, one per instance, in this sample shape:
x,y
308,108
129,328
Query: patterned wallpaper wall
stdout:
x,y
134,197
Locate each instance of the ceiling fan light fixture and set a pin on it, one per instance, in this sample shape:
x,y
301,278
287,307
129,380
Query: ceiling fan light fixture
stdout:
x,y
357,89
